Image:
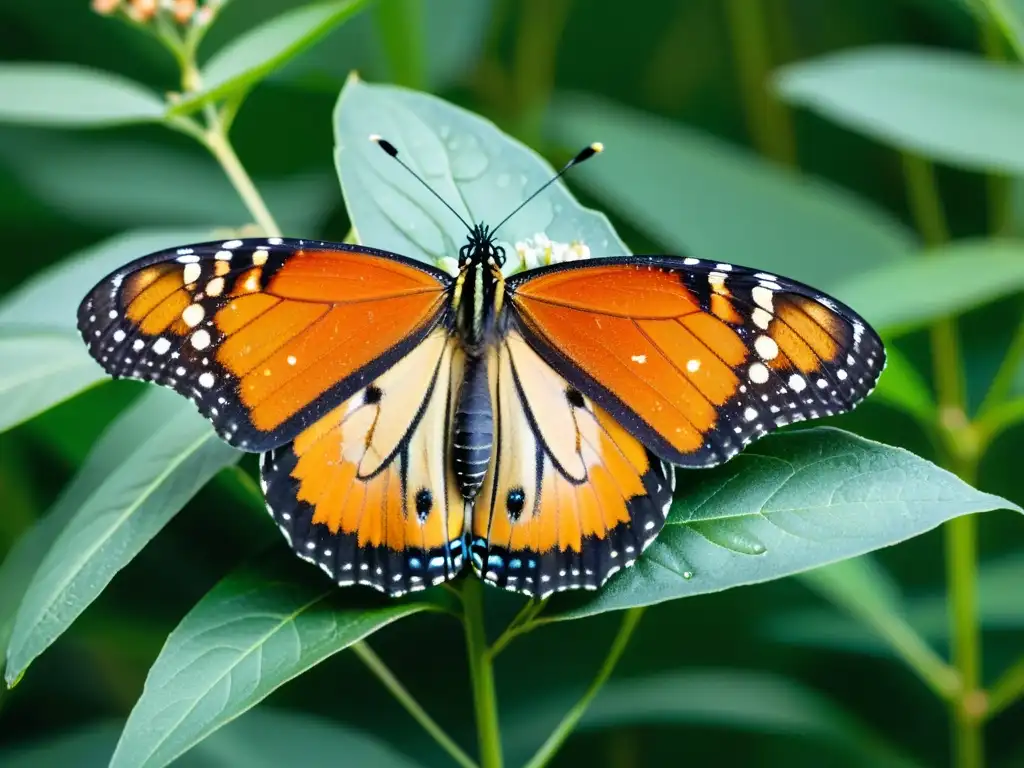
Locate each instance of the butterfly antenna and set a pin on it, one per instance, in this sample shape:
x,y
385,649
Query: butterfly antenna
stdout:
x,y
388,147
584,154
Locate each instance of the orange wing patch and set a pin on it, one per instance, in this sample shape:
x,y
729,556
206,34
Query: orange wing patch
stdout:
x,y
569,497
264,335
696,359
365,491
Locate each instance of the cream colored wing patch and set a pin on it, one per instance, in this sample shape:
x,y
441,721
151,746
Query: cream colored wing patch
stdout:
x,y
570,497
366,492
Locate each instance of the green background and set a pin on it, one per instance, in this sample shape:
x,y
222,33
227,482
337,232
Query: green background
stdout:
x,y
769,674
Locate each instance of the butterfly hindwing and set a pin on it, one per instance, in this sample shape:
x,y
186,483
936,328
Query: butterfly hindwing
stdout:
x,y
696,359
265,336
569,497
366,492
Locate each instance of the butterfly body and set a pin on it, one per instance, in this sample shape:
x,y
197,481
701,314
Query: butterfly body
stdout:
x,y
410,420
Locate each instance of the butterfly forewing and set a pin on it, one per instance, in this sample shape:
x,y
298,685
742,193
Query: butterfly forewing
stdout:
x,y
696,359
265,336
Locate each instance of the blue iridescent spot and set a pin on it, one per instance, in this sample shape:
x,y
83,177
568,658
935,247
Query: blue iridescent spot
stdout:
x,y
415,563
495,560
515,563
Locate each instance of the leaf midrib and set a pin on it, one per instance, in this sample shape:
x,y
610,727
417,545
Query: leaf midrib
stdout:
x,y
128,512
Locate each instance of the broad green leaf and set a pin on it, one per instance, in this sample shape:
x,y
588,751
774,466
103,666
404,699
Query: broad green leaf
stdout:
x,y
999,608
63,174
951,107
480,171
69,96
39,369
942,282
251,57
359,46
263,738
172,455
743,700
50,299
785,505
42,358
702,197
252,633
903,387
114,448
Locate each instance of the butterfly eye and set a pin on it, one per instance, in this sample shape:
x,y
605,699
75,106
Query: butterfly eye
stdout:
x,y
499,255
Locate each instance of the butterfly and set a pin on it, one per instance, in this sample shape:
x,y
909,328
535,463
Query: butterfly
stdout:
x,y
412,421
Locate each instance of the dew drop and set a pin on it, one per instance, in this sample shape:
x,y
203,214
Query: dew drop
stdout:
x,y
687,575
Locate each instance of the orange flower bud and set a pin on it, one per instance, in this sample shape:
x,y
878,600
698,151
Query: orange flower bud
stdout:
x,y
184,10
105,7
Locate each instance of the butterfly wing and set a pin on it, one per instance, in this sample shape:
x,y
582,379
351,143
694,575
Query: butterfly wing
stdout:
x,y
696,359
366,492
265,336
569,496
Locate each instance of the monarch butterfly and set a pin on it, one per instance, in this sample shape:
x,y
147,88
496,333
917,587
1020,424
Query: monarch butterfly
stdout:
x,y
410,420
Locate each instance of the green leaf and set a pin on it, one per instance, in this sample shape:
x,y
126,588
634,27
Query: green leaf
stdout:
x,y
263,738
947,106
866,592
251,57
743,700
942,282
791,503
69,96
40,369
172,453
114,448
252,633
903,387
63,173
479,170
704,198
999,608
42,358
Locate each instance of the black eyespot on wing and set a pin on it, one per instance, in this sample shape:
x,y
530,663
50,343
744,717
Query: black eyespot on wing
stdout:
x,y
424,503
514,502
372,395
575,397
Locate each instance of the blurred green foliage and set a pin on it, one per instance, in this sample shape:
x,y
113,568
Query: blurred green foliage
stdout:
x,y
870,147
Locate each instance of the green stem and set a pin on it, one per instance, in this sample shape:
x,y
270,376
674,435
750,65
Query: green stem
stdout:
x,y
220,146
520,625
999,389
998,185
374,663
1007,689
1007,23
481,674
962,570
768,121
554,742
962,450
539,31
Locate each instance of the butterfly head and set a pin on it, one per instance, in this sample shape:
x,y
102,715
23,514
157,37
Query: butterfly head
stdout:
x,y
480,248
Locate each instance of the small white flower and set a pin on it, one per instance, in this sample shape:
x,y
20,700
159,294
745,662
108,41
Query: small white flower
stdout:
x,y
540,250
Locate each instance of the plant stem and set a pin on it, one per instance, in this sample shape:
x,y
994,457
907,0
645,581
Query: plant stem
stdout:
x,y
385,675
1007,24
962,450
1007,689
999,186
539,31
573,716
481,674
520,625
219,145
768,121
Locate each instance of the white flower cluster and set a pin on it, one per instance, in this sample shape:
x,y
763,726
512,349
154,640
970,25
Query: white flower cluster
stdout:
x,y
540,250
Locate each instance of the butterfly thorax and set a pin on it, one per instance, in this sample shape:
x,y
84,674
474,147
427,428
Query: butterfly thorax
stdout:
x,y
478,290
476,300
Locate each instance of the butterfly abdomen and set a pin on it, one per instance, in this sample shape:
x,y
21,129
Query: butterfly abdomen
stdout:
x,y
473,433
